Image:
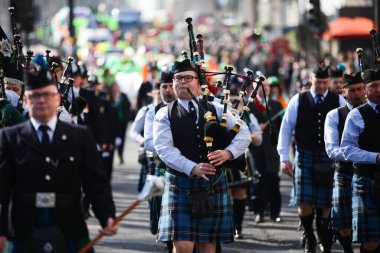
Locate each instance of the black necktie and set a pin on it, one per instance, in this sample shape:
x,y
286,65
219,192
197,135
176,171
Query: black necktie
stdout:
x,y
192,111
80,120
319,99
45,141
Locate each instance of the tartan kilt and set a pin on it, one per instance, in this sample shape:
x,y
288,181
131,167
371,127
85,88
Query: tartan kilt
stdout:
x,y
366,218
341,211
155,205
176,223
306,190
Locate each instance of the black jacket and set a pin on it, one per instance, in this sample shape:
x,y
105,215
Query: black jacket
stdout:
x,y
72,164
266,157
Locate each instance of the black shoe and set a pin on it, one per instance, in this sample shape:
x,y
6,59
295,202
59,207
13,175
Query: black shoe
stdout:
x,y
153,227
238,234
259,218
310,244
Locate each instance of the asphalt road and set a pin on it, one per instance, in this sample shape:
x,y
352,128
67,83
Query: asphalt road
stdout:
x,y
134,235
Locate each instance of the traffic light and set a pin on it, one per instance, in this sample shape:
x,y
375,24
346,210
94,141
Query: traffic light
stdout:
x,y
314,16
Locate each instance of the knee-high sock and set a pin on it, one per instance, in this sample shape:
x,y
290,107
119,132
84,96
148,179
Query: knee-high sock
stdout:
x,y
327,235
307,223
318,223
239,211
369,251
346,242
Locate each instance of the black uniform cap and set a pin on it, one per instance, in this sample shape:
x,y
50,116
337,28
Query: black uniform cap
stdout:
x,y
370,75
352,79
37,79
166,77
335,73
321,71
181,66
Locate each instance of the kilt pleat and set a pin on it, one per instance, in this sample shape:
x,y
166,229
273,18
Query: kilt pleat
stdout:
x,y
176,223
341,211
306,190
366,217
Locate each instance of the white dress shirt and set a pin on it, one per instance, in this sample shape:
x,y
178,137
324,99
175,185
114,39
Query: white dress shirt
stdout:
x,y
289,122
254,127
51,124
148,130
138,124
331,136
353,127
172,157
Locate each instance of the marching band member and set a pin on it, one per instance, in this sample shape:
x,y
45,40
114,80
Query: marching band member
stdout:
x,y
44,165
341,211
196,208
361,145
312,173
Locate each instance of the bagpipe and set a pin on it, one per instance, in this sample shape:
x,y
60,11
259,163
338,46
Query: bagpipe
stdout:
x,y
375,52
376,48
10,113
69,109
216,134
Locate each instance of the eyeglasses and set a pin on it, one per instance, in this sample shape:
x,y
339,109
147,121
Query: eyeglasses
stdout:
x,y
186,78
37,96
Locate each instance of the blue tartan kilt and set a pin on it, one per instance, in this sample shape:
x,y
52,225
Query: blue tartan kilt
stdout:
x,y
366,218
341,211
306,191
176,223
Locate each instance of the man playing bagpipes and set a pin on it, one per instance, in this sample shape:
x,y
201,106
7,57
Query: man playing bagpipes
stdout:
x,y
196,207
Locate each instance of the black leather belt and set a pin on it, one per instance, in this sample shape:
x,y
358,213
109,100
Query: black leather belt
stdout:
x,y
46,199
175,172
344,168
372,174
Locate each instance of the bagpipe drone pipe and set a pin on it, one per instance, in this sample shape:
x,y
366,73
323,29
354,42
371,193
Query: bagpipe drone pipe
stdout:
x,y
32,63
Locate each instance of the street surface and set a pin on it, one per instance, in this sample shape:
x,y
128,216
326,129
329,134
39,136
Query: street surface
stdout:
x,y
134,235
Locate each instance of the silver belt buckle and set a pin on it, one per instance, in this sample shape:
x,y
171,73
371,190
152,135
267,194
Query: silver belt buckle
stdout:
x,y
45,199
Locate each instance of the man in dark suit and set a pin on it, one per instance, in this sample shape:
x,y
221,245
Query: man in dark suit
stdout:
x,y
267,161
44,165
